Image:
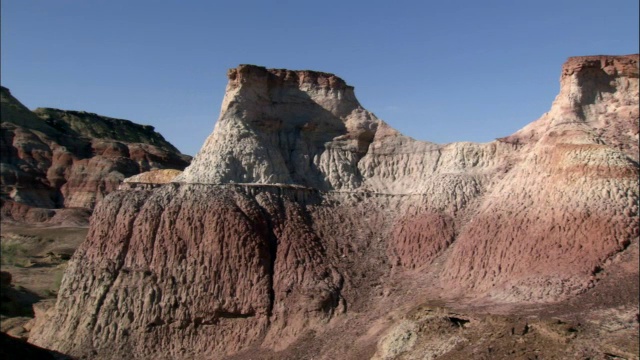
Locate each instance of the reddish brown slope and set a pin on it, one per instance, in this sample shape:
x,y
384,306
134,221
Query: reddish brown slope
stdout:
x,y
572,202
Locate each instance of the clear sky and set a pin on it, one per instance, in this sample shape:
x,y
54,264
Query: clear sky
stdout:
x,y
440,71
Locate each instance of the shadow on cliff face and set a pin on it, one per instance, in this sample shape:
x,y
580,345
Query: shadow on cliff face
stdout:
x,y
300,129
15,301
12,348
593,84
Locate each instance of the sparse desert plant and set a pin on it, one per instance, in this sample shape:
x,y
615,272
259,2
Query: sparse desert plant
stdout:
x,y
57,281
13,254
9,253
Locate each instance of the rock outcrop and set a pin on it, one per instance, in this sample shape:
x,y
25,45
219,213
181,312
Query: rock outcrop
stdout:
x,y
67,159
150,179
303,212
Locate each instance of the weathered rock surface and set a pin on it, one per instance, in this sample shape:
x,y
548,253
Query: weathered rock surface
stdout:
x,y
304,215
150,179
53,158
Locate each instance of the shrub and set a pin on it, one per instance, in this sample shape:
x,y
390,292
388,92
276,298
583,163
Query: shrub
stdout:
x,y
13,254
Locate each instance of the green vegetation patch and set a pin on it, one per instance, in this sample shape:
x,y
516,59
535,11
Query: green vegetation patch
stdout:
x,y
13,254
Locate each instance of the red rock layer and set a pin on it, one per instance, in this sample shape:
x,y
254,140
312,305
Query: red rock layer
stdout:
x,y
420,238
611,65
53,158
192,270
282,77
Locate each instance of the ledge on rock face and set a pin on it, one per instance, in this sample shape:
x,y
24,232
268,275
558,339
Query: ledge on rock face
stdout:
x,y
159,176
624,65
283,77
149,179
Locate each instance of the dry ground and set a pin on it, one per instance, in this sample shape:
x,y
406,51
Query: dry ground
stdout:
x,y
36,257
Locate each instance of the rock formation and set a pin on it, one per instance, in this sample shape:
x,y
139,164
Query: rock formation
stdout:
x,y
150,179
67,159
304,214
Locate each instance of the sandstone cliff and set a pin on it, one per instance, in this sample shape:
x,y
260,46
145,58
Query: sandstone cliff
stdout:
x,y
53,158
303,214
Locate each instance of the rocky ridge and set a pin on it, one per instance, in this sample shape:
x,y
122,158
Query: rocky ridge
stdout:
x,y
54,159
303,213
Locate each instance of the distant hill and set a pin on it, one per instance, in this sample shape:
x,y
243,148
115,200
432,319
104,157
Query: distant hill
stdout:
x,y
52,159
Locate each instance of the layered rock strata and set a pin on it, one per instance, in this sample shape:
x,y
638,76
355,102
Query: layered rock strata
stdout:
x,y
304,210
53,158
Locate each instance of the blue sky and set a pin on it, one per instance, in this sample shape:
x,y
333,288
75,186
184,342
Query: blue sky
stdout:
x,y
440,71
